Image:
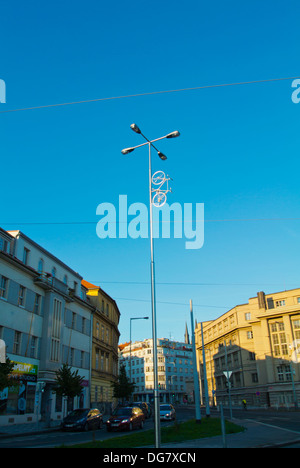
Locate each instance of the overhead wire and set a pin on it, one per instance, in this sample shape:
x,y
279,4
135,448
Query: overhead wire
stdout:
x,y
151,93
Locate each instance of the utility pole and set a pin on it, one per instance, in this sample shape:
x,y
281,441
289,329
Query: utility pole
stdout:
x,y
204,375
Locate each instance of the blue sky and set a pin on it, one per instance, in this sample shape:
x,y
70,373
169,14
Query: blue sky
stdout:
x,y
238,152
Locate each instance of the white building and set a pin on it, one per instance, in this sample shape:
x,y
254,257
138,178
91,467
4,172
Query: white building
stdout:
x,y
175,369
45,321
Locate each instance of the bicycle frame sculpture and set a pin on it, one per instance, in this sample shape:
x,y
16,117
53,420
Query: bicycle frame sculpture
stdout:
x,y
159,178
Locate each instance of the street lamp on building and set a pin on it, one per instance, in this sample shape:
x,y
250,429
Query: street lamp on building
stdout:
x,y
163,157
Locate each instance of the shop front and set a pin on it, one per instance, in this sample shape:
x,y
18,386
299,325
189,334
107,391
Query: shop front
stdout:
x,y
17,403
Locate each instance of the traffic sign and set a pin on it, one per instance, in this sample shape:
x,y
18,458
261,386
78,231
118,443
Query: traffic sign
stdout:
x,y
227,374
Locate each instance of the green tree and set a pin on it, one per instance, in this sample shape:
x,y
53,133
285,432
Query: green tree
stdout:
x,y
67,383
6,369
123,388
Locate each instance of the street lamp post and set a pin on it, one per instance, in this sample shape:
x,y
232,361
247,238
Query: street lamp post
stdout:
x,y
134,318
150,144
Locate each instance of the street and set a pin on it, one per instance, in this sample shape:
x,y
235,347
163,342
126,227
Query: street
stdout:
x,y
57,438
287,420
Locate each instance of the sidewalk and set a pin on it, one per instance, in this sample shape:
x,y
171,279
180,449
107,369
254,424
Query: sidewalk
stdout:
x,y
255,435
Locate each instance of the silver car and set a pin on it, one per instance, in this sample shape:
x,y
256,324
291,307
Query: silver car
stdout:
x,y
167,412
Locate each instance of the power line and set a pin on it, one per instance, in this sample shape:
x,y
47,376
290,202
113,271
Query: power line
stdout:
x,y
170,303
150,94
62,223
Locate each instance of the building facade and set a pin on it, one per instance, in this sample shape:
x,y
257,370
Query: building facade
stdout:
x,y
252,352
175,369
105,339
45,321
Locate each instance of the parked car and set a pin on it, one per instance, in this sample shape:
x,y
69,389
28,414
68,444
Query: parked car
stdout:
x,y
144,407
167,412
83,419
126,418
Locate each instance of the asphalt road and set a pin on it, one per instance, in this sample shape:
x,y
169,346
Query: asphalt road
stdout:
x,y
58,438
288,420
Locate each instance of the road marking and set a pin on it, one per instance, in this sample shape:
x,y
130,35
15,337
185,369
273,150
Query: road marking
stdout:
x,y
271,425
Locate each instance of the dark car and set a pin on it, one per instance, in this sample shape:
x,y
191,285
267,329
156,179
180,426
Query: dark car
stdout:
x,y
144,407
82,419
126,418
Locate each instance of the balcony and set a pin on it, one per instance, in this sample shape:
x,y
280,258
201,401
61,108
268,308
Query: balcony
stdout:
x,y
44,280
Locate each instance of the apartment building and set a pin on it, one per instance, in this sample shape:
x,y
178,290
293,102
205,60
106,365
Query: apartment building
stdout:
x,y
105,339
252,352
175,369
45,321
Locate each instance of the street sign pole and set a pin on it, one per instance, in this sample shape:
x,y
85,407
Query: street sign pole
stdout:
x,y
228,377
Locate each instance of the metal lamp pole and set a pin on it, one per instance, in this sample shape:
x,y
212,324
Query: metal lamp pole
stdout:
x,y
136,129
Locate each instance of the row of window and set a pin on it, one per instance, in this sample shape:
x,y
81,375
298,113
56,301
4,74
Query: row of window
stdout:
x,y
231,320
102,362
4,284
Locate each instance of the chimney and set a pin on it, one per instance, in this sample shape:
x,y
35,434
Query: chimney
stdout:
x,y
261,300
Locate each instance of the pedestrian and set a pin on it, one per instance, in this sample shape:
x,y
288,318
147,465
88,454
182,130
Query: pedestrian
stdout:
x,y
244,404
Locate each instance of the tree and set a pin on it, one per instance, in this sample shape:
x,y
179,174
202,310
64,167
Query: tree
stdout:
x,y
6,369
67,383
123,388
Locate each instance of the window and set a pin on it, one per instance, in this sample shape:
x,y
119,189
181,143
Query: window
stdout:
x,y
249,335
65,279
97,359
25,256
4,245
56,330
3,287
17,342
72,356
73,324
280,303
37,302
33,347
21,299
41,266
248,316
254,378
53,272
284,373
279,339
83,325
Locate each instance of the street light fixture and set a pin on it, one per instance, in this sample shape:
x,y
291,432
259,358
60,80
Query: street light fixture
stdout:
x,y
136,129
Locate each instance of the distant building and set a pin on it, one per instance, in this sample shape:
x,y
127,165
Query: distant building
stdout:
x,y
175,369
259,344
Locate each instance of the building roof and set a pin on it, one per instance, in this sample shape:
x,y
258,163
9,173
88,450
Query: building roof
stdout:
x,y
88,285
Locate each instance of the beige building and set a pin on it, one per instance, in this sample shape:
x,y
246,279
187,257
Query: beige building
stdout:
x,y
258,344
105,338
